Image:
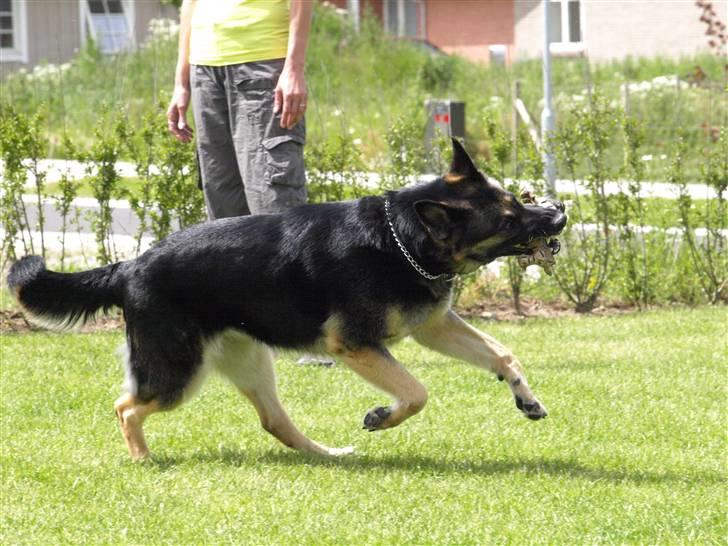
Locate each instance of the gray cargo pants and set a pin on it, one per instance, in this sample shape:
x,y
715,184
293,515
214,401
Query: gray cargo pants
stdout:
x,y
248,163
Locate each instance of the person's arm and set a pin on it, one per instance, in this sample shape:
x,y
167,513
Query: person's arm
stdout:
x,y
177,111
291,93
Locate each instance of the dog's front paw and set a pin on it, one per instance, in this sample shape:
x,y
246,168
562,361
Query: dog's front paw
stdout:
x,y
374,419
533,409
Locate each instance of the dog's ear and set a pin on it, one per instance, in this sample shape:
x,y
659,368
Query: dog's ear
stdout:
x,y
462,166
439,219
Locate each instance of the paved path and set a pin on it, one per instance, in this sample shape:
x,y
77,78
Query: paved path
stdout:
x,y
125,223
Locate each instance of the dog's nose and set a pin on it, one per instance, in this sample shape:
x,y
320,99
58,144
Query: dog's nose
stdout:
x,y
559,221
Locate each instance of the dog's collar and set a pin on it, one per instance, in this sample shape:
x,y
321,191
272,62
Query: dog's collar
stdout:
x,y
417,267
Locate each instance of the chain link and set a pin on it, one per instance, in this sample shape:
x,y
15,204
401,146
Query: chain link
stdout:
x,y
410,259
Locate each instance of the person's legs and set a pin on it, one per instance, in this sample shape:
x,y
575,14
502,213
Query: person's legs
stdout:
x,y
221,180
270,158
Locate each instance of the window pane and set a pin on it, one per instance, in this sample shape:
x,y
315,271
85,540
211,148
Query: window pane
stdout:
x,y
392,16
5,6
96,6
555,21
410,13
574,21
112,33
114,6
100,22
6,22
6,40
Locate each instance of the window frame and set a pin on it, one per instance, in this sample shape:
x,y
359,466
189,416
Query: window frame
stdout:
x,y
19,52
89,31
567,47
420,10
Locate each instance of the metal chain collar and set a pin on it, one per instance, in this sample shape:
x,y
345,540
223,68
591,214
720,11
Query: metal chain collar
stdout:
x,y
410,259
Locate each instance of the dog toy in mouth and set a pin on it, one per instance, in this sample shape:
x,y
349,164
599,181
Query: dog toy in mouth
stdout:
x,y
541,249
541,253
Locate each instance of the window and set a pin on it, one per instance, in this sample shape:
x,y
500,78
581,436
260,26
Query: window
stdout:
x,y
109,23
565,26
405,18
13,46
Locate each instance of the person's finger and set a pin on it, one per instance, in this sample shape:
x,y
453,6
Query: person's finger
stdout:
x,y
287,111
300,113
293,112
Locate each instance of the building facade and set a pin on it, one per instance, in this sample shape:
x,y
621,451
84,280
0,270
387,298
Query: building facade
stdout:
x,y
485,30
38,31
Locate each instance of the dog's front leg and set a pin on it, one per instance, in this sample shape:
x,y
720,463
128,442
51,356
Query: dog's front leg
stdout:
x,y
452,336
382,370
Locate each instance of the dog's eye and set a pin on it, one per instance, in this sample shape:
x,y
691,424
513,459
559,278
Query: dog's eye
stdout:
x,y
509,223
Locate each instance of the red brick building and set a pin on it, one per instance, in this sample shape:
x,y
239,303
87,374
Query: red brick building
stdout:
x,y
482,30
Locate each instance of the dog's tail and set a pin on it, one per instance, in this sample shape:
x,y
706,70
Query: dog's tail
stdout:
x,y
64,300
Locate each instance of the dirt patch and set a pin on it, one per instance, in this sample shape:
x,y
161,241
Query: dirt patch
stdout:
x,y
534,308
13,321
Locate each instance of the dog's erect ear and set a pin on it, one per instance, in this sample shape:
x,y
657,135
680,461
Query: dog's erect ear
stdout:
x,y
462,166
440,220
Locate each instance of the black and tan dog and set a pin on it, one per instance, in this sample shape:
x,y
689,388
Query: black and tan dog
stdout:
x,y
345,278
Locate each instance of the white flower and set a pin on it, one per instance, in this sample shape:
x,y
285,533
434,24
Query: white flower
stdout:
x,y
647,157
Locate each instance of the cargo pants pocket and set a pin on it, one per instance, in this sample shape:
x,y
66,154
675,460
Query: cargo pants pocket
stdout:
x,y
284,160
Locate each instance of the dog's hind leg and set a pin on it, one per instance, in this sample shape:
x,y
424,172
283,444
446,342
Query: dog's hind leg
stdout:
x,y
452,336
164,368
249,365
382,370
131,413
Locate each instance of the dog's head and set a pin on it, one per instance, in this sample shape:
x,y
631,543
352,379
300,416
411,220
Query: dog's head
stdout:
x,y
475,220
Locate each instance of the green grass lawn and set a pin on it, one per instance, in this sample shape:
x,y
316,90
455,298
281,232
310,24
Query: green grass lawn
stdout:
x,y
130,184
633,451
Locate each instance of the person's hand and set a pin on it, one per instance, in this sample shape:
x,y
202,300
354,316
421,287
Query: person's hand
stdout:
x,y
177,114
290,96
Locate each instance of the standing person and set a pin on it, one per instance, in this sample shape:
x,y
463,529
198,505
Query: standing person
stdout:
x,y
241,65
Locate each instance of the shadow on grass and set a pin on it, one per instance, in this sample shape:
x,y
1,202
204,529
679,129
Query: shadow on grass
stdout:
x,y
422,464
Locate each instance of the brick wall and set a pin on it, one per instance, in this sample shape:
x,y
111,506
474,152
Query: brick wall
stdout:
x,y
467,27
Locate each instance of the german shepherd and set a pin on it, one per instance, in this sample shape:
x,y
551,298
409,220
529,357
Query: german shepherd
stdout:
x,y
348,279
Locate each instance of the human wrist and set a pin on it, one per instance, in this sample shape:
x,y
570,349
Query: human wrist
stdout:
x,y
182,77
294,65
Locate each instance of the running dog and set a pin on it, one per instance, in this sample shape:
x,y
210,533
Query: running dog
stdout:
x,y
348,279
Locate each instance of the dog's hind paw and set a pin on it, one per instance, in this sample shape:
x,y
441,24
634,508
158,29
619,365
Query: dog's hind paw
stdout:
x,y
374,419
534,410
340,451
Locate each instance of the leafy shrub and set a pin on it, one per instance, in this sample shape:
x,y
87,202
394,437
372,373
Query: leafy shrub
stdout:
x,y
333,171
22,146
585,261
709,256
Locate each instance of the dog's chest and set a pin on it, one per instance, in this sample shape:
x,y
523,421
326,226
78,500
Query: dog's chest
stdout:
x,y
401,322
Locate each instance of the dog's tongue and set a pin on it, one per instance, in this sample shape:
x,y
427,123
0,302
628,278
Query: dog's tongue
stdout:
x,y
541,254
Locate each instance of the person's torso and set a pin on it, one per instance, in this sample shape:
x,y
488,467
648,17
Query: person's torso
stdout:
x,y
225,32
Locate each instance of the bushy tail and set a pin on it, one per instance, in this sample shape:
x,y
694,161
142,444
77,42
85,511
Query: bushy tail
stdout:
x,y
64,300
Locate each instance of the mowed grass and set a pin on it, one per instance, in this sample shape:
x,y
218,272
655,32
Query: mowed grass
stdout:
x,y
633,450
